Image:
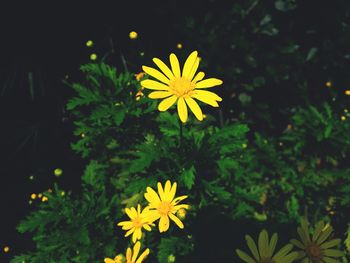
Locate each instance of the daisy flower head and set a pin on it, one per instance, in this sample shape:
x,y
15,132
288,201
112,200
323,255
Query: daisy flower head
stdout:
x,y
181,87
318,247
264,252
131,255
138,220
163,205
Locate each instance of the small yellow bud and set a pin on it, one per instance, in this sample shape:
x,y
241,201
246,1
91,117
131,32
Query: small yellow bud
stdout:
x,y
40,195
58,172
132,35
33,196
44,199
347,92
204,116
346,110
179,45
31,177
30,202
244,145
142,54
289,126
181,213
171,258
329,84
93,56
6,249
89,43
63,193
260,217
343,118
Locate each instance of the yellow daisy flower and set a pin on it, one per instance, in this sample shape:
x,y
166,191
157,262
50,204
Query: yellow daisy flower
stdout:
x,y
139,219
318,247
181,87
131,256
163,205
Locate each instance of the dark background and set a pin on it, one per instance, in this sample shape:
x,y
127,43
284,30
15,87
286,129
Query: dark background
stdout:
x,y
46,40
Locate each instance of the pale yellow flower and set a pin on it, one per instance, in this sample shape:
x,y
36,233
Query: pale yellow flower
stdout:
x,y
133,35
163,205
139,219
179,87
131,255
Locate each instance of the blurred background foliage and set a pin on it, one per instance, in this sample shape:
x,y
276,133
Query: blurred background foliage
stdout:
x,y
276,149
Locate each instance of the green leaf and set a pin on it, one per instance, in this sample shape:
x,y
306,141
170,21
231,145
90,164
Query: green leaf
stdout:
x,y
188,177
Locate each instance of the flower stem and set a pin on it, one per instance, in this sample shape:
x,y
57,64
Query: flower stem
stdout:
x,y
181,127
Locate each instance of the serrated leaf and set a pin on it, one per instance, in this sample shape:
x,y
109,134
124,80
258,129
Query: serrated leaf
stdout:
x,y
188,177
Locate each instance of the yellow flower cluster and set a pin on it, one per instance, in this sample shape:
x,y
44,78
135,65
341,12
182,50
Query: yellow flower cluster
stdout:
x,y
162,206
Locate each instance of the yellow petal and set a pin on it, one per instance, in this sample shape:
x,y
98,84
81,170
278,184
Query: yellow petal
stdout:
x,y
163,224
128,255
136,251
198,77
131,213
194,108
130,232
126,225
109,260
160,191
176,220
194,69
147,227
175,66
167,103
156,74
159,94
152,84
208,83
177,207
151,196
190,61
134,212
134,236
178,199
172,192
209,94
164,68
205,99
182,109
143,255
138,209
167,187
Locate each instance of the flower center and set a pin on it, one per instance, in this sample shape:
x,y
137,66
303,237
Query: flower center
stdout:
x,y
164,208
137,222
314,251
181,86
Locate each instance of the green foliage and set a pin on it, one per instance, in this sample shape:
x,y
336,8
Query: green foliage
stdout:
x,y
173,246
284,152
67,229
